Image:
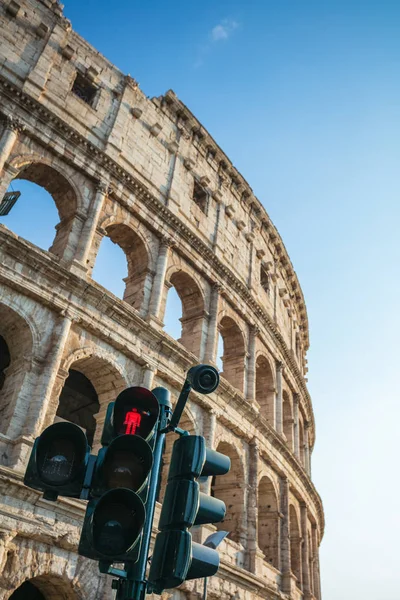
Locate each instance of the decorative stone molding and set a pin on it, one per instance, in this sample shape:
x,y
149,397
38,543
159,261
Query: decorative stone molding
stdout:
x,y
13,124
230,210
189,163
250,235
13,8
92,74
155,129
217,195
136,112
260,253
67,52
42,30
173,147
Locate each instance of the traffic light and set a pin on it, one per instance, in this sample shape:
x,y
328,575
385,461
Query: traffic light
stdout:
x,y
116,513
176,558
58,461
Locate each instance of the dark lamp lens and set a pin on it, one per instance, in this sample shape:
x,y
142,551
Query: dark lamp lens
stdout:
x,y
116,527
57,464
125,470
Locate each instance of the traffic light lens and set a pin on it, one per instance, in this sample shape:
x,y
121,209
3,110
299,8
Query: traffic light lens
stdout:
x,y
125,470
56,465
117,522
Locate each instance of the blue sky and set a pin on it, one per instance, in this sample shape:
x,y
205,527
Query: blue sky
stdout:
x,y
304,97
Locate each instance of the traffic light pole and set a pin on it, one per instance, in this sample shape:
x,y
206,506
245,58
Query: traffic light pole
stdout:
x,y
134,588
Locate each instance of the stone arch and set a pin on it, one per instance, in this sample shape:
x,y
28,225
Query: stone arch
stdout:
x,y
265,389
233,359
106,379
67,198
188,423
230,489
18,342
288,421
295,543
45,587
193,309
135,248
268,521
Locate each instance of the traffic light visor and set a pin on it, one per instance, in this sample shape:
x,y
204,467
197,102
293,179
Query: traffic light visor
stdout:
x,y
134,412
61,453
117,522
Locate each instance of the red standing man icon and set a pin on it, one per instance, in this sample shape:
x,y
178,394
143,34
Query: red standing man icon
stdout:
x,y
133,418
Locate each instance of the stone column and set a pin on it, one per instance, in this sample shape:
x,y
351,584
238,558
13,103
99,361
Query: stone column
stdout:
x,y
209,429
307,448
316,571
305,553
256,557
251,364
285,564
148,376
296,400
278,398
90,225
159,277
212,332
8,138
39,404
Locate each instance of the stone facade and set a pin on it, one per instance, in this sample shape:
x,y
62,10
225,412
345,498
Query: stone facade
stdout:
x,y
145,173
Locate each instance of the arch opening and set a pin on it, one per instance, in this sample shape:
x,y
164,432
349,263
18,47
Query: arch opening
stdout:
x,y
191,308
79,403
229,488
129,263
16,344
47,201
27,591
268,522
91,384
233,359
265,389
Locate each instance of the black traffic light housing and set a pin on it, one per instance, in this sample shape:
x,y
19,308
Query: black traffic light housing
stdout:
x,y
116,513
58,461
176,558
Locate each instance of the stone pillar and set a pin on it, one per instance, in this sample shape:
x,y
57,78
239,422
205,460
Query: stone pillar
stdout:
x,y
209,429
148,376
39,404
307,448
251,364
278,398
305,553
256,557
159,278
90,225
285,565
8,138
212,332
316,567
296,400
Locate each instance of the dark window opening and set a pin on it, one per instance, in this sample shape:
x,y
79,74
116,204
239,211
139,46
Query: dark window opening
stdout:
x,y
27,591
4,360
200,196
84,89
79,403
265,280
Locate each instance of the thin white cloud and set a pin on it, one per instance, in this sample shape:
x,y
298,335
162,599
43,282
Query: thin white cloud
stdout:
x,y
223,30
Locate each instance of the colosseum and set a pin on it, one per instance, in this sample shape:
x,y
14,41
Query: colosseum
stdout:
x,y
146,174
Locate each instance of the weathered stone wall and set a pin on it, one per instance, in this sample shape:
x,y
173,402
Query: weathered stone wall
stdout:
x,y
146,174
